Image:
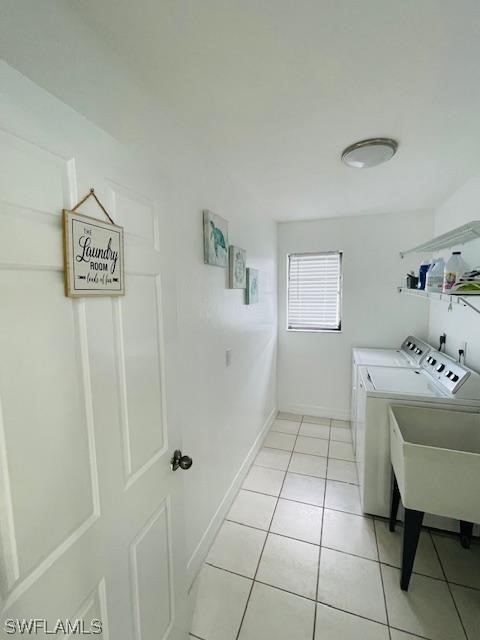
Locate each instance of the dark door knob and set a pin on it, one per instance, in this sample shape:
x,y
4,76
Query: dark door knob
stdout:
x,y
184,462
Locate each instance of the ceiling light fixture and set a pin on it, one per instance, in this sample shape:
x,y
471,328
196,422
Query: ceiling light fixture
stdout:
x,y
369,153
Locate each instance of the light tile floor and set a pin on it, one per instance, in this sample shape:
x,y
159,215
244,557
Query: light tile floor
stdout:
x,y
296,559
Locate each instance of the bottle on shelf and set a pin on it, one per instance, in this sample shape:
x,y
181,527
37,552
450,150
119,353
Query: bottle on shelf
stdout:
x,y
435,276
422,273
454,268
411,280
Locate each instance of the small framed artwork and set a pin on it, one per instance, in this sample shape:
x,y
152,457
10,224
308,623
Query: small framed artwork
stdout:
x,y
238,268
94,260
215,239
252,286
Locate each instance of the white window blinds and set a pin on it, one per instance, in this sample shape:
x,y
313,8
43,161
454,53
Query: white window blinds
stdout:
x,y
314,291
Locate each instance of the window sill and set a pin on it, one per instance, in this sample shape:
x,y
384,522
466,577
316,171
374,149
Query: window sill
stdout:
x,y
314,330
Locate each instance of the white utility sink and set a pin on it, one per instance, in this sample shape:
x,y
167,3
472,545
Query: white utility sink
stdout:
x,y
436,458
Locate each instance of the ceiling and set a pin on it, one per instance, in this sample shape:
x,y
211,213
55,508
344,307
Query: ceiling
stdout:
x,y
277,88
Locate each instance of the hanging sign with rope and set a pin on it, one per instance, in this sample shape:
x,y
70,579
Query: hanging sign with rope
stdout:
x,y
94,256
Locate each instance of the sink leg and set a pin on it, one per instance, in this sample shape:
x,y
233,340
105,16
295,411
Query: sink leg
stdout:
x,y
466,531
411,534
394,504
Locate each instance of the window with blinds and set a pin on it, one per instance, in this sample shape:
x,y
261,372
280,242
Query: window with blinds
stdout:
x,y
314,291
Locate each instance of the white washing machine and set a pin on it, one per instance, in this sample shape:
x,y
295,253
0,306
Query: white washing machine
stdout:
x,y
438,381
410,354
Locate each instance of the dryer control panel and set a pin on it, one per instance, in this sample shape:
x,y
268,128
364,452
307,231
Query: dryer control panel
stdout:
x,y
415,349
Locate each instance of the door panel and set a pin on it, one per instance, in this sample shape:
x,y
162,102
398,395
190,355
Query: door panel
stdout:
x,y
91,516
135,211
44,414
141,356
151,582
94,608
31,177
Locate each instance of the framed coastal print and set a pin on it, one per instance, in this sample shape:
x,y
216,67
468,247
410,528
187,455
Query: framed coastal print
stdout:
x,y
252,286
238,268
94,256
215,239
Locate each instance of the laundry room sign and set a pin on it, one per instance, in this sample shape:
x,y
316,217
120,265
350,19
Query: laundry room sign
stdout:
x,y
94,256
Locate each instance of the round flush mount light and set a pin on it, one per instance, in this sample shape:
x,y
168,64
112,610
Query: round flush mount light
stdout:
x,y
369,153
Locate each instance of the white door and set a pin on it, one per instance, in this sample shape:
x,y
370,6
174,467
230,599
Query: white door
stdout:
x,y
90,512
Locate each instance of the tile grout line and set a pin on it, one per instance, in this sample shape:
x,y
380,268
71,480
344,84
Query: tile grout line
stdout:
x,y
321,536
381,579
314,544
308,504
309,475
329,440
448,585
268,532
266,446
280,535
304,453
315,601
414,635
464,586
303,435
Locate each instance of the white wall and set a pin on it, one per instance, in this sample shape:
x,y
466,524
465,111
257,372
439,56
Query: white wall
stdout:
x,y
314,369
460,324
221,411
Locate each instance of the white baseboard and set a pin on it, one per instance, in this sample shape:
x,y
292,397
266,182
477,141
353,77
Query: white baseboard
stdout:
x,y
314,410
200,553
